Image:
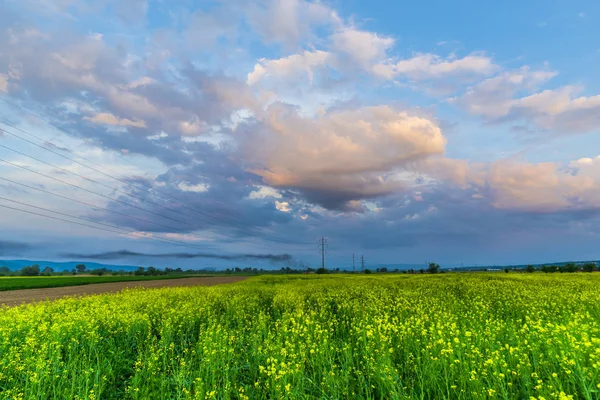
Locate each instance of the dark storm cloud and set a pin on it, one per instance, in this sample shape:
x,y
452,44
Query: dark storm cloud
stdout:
x,y
224,207
115,255
10,248
451,219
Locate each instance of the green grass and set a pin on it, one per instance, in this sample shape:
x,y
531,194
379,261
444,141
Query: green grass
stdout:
x,y
36,282
451,336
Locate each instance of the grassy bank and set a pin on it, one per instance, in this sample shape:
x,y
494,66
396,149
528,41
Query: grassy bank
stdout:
x,y
37,282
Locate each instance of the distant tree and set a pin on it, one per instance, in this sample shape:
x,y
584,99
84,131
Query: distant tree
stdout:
x,y
99,271
33,270
569,267
433,268
367,271
506,270
322,271
80,268
140,271
421,271
545,268
4,271
396,270
530,268
589,267
47,271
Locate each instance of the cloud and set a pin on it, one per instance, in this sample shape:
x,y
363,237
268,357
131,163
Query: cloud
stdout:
x,y
116,255
560,110
279,119
289,67
340,156
198,188
288,21
109,119
283,206
10,248
546,187
493,97
3,83
362,47
431,66
131,11
264,192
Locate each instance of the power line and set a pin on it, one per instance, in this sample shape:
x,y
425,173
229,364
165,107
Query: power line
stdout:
x,y
119,230
99,228
237,226
127,231
91,191
88,204
103,173
95,207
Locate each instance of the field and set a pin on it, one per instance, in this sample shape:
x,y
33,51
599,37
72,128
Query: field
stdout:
x,y
34,282
19,297
460,336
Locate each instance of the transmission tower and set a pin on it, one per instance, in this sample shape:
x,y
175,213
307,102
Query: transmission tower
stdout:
x,y
362,260
322,249
353,264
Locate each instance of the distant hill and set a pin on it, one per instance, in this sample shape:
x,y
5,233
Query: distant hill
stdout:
x,y
522,266
16,265
391,267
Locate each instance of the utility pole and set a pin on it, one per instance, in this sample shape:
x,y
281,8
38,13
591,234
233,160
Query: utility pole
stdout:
x,y
362,260
353,264
322,247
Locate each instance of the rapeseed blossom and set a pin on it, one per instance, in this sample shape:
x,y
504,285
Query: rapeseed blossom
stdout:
x,y
463,336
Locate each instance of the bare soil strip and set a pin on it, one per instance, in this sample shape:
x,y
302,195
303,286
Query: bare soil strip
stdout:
x,y
17,297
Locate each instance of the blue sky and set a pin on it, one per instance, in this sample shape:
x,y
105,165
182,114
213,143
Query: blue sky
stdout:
x,y
462,132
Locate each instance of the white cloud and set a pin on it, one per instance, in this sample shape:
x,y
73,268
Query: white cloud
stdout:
x,y
534,187
363,47
197,188
283,206
558,109
288,21
143,81
289,67
264,192
110,119
494,97
3,83
349,154
431,66
193,128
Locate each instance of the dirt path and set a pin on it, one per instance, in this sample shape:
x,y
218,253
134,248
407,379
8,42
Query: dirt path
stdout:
x,y
16,297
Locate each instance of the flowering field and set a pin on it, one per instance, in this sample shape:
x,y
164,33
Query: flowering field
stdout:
x,y
464,336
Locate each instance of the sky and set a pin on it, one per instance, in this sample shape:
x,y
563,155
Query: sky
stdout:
x,y
237,133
